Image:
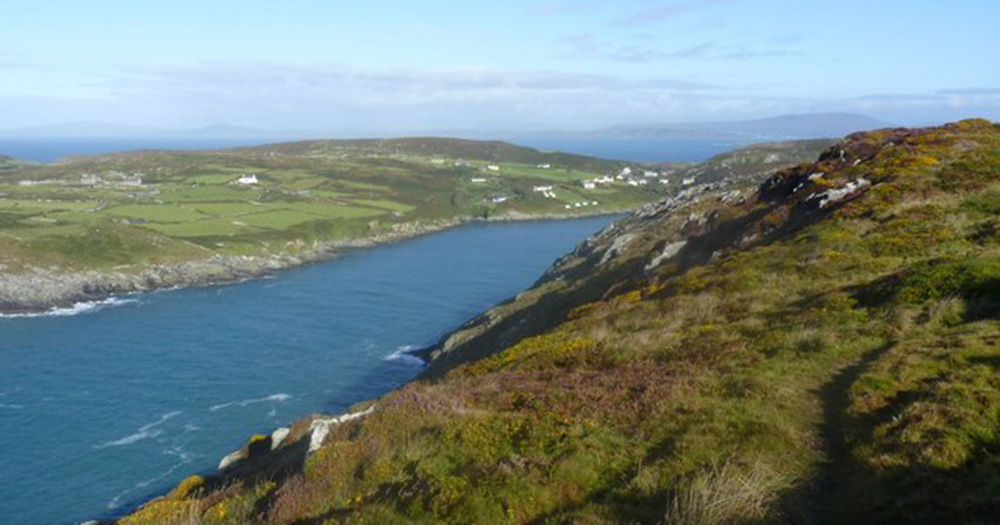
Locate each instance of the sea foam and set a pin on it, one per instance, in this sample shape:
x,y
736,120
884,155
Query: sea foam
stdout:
x,y
85,307
145,432
277,398
404,354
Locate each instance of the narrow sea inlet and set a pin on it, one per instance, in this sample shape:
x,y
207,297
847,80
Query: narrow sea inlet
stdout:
x,y
103,407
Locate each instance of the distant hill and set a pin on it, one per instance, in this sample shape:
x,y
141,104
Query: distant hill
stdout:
x,y
490,151
9,163
88,129
784,127
751,164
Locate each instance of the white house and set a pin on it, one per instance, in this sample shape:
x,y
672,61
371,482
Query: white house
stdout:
x,y
651,174
542,189
589,185
478,180
626,171
247,179
606,179
497,199
544,166
688,182
664,181
492,167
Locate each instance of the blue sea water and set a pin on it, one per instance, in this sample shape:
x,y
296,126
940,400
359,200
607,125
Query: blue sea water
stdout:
x,y
105,408
48,150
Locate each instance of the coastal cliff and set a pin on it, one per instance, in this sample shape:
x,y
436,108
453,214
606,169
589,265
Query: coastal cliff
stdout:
x,y
817,349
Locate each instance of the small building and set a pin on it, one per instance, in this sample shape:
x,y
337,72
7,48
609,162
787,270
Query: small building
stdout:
x,y
625,172
589,185
664,181
89,179
247,179
497,199
492,167
542,189
478,180
544,166
688,182
651,174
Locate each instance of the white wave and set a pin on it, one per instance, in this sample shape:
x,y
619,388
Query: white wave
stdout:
x,y
77,309
404,354
12,407
145,432
277,398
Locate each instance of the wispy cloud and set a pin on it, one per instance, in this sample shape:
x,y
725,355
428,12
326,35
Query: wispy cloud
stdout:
x,y
640,54
571,7
659,13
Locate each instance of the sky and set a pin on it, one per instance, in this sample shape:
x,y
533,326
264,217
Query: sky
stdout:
x,y
344,67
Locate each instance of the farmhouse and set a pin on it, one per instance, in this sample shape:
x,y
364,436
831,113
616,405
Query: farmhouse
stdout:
x,y
588,184
492,167
688,182
247,179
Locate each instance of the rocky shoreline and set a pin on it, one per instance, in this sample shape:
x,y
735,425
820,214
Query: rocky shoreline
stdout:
x,y
43,290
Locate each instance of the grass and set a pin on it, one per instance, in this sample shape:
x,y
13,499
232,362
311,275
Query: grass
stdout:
x,y
156,213
791,364
310,192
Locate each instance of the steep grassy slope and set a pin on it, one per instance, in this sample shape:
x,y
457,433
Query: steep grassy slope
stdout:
x,y
821,350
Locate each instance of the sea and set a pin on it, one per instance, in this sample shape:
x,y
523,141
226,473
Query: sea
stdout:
x,y
654,150
106,404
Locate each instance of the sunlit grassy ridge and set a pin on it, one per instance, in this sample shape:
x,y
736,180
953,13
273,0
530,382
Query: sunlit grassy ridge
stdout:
x,y
824,350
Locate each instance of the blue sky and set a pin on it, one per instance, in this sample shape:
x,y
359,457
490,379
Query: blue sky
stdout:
x,y
397,66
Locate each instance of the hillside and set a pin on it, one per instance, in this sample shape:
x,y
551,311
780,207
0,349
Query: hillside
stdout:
x,y
87,227
11,163
819,350
748,165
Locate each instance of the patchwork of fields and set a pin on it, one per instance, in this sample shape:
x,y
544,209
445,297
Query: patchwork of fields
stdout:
x,y
157,206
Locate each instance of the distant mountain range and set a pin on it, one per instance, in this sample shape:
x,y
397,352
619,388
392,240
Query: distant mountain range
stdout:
x,y
110,130
784,127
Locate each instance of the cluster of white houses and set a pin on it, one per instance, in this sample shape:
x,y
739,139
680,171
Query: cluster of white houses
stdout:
x,y
581,204
548,192
628,176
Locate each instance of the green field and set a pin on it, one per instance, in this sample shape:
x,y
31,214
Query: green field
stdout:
x,y
310,191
